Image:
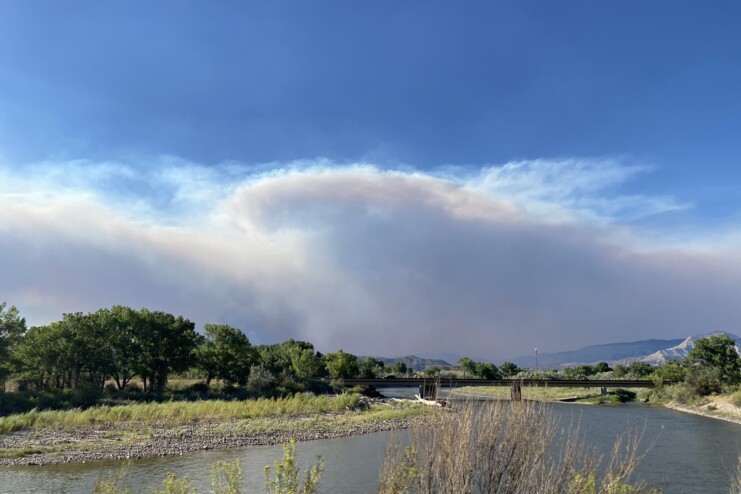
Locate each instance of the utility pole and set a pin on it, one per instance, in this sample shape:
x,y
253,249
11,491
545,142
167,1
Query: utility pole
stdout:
x,y
536,359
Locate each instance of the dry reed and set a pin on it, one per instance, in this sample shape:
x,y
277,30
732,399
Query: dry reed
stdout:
x,y
505,448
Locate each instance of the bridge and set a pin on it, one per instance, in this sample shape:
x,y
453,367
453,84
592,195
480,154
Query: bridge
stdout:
x,y
428,387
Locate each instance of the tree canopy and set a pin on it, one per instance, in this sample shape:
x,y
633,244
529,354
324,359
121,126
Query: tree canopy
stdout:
x,y
717,353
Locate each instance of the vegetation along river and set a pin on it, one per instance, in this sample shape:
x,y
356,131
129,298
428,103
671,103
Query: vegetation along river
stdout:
x,y
691,454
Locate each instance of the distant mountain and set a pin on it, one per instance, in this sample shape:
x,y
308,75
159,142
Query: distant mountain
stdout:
x,y
447,357
654,352
680,351
413,362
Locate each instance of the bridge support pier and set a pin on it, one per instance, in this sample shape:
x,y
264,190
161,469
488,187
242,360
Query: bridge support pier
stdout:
x,y
603,391
515,391
428,390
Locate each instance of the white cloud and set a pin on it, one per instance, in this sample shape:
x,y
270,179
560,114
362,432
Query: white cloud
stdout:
x,y
562,189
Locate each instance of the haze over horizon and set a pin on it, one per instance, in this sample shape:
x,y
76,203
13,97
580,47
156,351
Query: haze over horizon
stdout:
x,y
387,179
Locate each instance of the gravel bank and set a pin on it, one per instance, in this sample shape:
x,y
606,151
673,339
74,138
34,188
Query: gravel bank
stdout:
x,y
130,440
717,407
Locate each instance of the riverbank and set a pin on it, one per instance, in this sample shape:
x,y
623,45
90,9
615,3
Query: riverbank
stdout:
x,y
716,407
121,440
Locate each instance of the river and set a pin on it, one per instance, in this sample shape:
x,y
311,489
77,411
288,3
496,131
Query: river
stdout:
x,y
692,454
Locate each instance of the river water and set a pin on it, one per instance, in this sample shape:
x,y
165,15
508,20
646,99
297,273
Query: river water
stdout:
x,y
691,454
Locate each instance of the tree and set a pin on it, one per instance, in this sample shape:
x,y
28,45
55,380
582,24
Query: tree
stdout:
x,y
717,353
90,351
167,345
12,327
487,371
399,368
601,367
371,367
509,369
124,327
305,362
639,369
342,365
225,353
672,371
43,357
291,359
468,365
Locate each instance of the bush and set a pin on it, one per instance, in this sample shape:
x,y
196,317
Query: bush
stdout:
x,y
86,396
704,380
681,393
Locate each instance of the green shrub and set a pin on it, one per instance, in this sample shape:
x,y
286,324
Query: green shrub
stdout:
x,y
681,393
704,380
86,396
286,479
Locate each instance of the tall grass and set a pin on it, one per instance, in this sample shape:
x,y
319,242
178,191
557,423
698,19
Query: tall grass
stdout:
x,y
504,447
179,412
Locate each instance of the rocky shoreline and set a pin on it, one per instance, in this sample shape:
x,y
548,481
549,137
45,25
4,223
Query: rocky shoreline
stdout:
x,y
129,441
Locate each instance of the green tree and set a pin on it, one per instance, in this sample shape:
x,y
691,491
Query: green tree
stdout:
x,y
717,353
487,371
672,371
399,368
468,366
167,345
509,369
90,352
639,369
371,368
225,353
12,328
305,362
291,359
601,367
125,329
43,357
342,365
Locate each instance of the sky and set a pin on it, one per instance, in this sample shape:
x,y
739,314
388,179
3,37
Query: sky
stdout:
x,y
384,177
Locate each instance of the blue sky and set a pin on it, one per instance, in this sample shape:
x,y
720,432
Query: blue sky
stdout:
x,y
366,167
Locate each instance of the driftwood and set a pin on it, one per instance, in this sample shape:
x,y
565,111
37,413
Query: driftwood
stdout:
x,y
434,403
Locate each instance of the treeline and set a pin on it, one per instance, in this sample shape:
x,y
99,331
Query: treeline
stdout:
x,y
120,345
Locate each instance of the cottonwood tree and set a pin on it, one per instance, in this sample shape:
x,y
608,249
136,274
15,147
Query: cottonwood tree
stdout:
x,y
342,365
225,353
167,345
12,327
717,354
371,368
509,369
292,358
43,357
124,327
